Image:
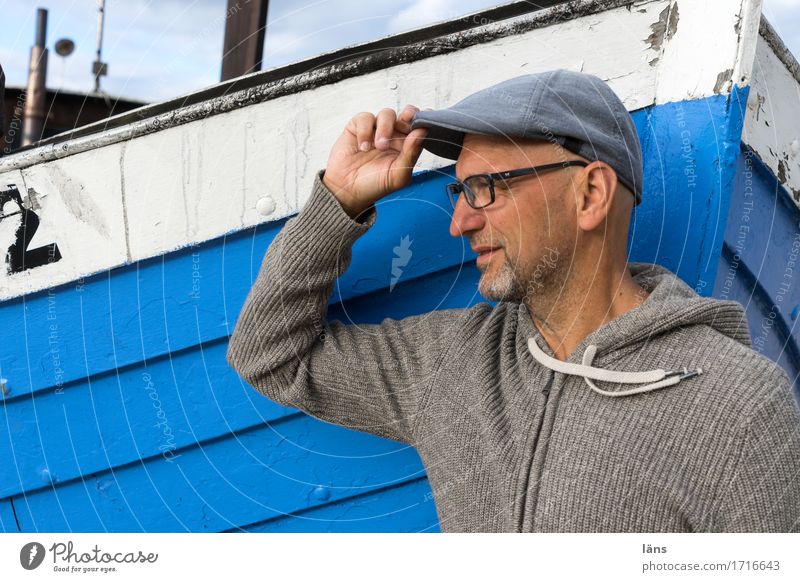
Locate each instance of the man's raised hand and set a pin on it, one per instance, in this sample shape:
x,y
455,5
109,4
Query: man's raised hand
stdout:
x,y
373,157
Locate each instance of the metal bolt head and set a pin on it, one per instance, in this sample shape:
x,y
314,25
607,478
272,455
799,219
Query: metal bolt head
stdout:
x,y
265,206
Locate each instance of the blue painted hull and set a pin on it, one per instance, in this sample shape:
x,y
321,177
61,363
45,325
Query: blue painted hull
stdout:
x,y
760,261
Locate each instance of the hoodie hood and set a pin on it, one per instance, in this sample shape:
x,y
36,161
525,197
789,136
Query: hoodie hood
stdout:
x,y
672,304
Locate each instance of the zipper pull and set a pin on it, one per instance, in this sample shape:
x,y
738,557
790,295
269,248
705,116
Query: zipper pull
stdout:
x,y
546,389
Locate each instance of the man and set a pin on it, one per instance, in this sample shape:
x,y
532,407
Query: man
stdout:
x,y
596,396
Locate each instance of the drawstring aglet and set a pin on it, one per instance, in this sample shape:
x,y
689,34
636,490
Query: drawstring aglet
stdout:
x,y
685,373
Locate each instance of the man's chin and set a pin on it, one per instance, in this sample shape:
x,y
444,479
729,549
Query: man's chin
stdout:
x,y
489,289
493,295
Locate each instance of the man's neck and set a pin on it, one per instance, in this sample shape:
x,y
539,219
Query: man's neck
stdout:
x,y
581,307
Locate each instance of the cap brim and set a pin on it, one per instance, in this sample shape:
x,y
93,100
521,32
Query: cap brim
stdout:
x,y
442,140
446,130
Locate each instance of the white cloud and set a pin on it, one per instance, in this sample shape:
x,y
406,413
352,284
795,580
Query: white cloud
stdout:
x,y
424,12
12,61
284,43
784,16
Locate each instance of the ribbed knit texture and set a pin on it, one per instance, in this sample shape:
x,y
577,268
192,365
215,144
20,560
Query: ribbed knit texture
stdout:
x,y
717,452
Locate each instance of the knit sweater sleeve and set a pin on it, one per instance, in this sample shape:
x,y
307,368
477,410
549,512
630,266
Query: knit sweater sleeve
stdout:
x,y
763,493
370,378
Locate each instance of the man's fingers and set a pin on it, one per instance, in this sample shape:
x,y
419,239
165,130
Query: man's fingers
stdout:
x,y
404,119
380,131
363,126
384,128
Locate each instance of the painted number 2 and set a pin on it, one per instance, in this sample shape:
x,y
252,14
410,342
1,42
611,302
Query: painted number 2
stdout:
x,y
19,257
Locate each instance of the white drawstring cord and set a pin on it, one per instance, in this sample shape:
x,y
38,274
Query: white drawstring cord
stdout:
x,y
657,378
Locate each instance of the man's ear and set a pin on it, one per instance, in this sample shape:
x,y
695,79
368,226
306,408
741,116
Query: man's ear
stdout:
x,y
599,189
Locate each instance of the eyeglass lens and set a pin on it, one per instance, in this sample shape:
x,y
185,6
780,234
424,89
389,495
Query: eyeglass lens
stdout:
x,y
479,193
475,188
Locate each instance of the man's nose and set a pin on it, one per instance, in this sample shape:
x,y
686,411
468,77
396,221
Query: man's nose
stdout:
x,y
466,219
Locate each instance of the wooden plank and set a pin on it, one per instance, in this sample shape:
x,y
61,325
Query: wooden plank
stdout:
x,y
405,508
243,478
8,522
130,408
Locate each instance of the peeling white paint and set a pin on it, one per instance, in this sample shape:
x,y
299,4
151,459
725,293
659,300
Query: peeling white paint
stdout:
x,y
772,124
747,30
711,37
80,210
189,183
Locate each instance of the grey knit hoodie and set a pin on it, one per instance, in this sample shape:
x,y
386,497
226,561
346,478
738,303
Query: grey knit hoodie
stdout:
x,y
508,442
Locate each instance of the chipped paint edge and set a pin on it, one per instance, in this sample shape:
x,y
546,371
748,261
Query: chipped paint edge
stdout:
x,y
772,127
709,50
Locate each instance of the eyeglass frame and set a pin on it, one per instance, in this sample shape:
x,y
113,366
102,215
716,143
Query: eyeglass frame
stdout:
x,y
507,175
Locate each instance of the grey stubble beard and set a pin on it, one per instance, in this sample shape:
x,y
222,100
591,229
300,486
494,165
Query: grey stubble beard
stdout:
x,y
503,284
509,283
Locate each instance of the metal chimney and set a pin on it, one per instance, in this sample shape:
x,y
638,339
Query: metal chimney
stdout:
x,y
33,124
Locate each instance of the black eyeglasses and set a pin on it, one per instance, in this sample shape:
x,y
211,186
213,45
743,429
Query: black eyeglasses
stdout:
x,y
479,189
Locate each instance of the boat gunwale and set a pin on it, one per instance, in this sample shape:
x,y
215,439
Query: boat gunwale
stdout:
x,y
779,48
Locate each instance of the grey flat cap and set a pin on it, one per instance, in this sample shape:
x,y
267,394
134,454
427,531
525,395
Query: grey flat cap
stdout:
x,y
577,110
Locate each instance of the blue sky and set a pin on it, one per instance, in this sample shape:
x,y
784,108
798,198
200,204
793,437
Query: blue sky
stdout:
x,y
157,49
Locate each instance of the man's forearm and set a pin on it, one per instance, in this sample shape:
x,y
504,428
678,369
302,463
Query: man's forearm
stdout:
x,y
285,309
368,377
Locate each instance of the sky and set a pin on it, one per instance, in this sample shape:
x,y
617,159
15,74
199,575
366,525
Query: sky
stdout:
x,y
159,49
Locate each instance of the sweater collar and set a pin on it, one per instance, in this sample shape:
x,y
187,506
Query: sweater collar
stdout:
x,y
671,305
